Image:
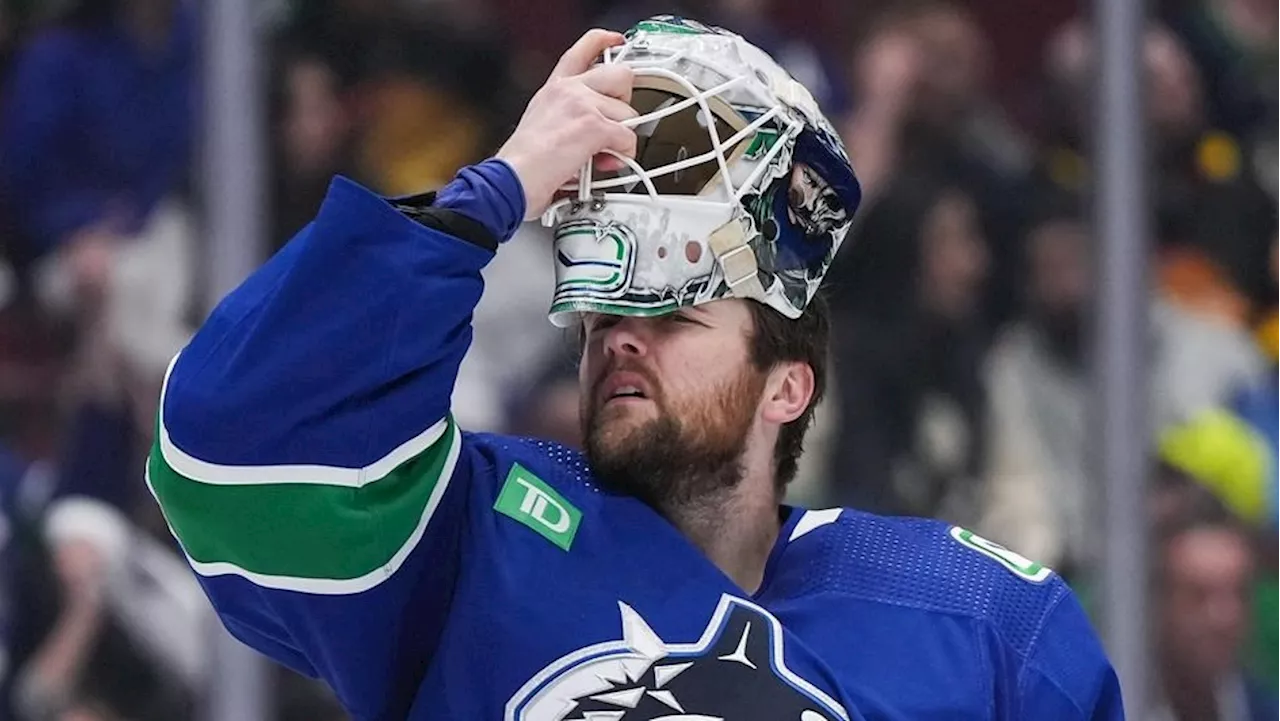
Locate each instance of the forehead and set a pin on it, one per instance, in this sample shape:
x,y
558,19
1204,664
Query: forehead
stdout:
x,y
1208,551
725,313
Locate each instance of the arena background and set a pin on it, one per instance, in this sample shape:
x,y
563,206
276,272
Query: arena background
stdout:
x,y
1055,319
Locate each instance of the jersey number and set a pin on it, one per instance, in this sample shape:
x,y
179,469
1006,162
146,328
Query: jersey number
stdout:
x,y
1020,565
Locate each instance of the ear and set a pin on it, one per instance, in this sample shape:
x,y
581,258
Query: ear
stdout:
x,y
787,392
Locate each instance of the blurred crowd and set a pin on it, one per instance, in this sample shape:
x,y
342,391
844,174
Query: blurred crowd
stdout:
x,y
963,299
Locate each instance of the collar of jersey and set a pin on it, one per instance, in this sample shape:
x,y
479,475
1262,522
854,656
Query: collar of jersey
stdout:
x,y
790,516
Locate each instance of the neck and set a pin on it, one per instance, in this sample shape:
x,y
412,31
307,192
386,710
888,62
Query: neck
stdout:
x,y
1190,695
736,528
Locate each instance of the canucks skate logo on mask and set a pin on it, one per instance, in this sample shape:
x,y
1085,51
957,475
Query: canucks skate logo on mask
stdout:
x,y
735,671
593,259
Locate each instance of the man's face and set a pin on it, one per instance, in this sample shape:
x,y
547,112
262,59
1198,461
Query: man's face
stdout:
x,y
668,403
1174,94
1061,279
954,64
1206,600
954,257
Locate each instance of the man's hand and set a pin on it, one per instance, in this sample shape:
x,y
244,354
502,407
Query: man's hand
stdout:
x,y
89,255
575,116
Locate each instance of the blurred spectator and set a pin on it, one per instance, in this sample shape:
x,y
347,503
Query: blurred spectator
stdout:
x,y
399,96
1227,456
1202,577
908,345
1234,44
95,146
1197,363
314,136
1036,376
425,87
921,97
549,408
920,76
1038,498
1216,222
1233,452
512,336
122,622
1173,101
396,95
439,104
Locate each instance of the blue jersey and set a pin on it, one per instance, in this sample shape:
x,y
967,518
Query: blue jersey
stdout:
x,y
341,523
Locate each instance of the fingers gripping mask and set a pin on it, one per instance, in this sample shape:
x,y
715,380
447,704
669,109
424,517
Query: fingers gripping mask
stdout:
x,y
740,187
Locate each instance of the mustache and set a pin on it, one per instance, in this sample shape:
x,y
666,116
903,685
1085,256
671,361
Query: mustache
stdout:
x,y
616,366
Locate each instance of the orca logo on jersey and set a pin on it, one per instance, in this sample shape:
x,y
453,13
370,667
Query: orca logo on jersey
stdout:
x,y
735,671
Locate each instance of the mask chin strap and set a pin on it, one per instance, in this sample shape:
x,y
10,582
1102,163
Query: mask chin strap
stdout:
x,y
738,261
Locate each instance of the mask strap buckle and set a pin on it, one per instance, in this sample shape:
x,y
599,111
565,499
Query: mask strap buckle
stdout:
x,y
728,244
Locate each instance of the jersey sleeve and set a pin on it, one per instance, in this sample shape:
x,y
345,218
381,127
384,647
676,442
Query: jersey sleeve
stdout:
x,y
1067,676
305,457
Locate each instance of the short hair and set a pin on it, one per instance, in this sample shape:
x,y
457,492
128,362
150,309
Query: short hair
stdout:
x,y
777,339
1184,506
1203,512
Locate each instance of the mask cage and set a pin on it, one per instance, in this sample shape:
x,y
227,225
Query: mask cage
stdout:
x,y
675,137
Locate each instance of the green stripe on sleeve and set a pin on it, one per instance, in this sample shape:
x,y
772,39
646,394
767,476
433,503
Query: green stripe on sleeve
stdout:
x,y
304,530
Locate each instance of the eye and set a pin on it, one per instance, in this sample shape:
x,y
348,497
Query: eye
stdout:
x,y
682,318
599,322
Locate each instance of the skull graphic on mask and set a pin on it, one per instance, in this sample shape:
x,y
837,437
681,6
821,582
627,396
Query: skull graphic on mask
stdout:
x,y
812,204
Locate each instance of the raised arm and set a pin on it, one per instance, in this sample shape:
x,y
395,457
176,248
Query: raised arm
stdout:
x,y
306,458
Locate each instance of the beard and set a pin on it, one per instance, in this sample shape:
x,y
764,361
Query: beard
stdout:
x,y
690,452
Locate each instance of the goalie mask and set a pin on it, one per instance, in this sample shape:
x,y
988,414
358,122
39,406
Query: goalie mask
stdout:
x,y
740,188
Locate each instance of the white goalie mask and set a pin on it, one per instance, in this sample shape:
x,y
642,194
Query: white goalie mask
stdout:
x,y
740,186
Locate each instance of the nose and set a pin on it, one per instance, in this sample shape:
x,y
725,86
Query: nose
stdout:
x,y
1224,611
626,338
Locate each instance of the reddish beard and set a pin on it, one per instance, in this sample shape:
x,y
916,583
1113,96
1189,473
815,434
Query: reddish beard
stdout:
x,y
691,449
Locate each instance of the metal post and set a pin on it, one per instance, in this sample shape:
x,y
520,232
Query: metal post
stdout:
x,y
233,160
235,151
1122,329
